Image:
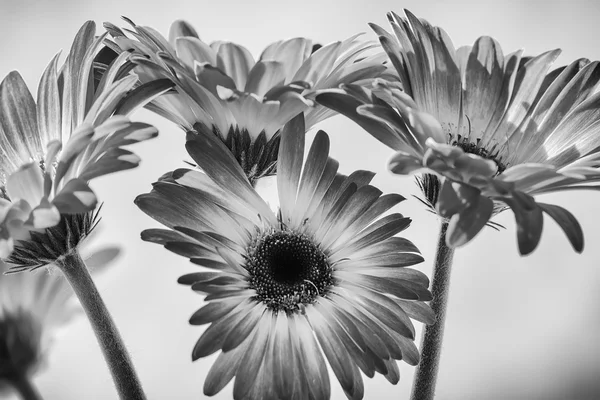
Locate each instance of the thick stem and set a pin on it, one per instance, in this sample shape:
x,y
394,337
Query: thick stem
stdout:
x,y
431,345
25,388
116,356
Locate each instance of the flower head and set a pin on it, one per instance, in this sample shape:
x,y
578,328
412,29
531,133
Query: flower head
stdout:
x,y
221,90
325,267
494,129
32,308
74,132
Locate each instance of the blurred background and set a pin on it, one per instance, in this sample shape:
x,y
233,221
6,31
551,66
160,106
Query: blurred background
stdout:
x,y
517,327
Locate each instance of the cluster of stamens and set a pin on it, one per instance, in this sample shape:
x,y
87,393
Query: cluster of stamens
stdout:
x,y
287,270
474,148
431,185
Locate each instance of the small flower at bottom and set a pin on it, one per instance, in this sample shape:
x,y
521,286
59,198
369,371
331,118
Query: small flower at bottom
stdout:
x,y
52,147
323,275
32,308
489,130
222,90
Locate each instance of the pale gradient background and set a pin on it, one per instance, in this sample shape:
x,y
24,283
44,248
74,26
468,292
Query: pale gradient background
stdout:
x,y
518,328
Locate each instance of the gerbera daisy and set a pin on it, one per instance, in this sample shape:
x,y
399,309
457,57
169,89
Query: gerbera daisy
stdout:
x,y
32,308
493,129
221,90
325,267
49,150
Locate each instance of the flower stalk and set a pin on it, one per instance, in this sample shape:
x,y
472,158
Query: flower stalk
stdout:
x,y
25,388
431,345
119,363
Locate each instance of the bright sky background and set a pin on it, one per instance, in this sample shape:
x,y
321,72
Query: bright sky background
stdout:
x,y
517,328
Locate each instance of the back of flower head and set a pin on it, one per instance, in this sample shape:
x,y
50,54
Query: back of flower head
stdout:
x,y
221,90
49,150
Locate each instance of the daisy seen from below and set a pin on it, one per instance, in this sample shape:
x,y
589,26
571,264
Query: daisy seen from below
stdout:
x,y
33,307
489,131
222,90
50,149
492,130
323,274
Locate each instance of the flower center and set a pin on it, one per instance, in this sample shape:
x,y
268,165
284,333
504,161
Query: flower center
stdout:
x,y
474,148
20,337
288,270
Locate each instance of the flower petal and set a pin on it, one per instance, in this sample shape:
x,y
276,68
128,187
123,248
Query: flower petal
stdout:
x,y
253,358
202,182
347,105
467,223
567,222
217,162
315,164
263,76
380,230
181,28
75,197
403,163
45,215
289,164
48,104
315,375
191,49
336,354
484,76
214,336
226,367
26,183
291,53
18,118
240,331
529,224
236,61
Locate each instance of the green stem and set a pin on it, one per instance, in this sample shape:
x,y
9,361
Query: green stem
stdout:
x,y
116,356
25,388
431,346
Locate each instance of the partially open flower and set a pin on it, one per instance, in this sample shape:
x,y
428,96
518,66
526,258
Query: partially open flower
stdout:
x,y
221,90
493,129
32,308
326,266
52,147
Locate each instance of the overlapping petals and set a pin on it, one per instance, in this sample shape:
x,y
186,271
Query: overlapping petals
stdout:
x,y
74,132
360,318
495,129
221,85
